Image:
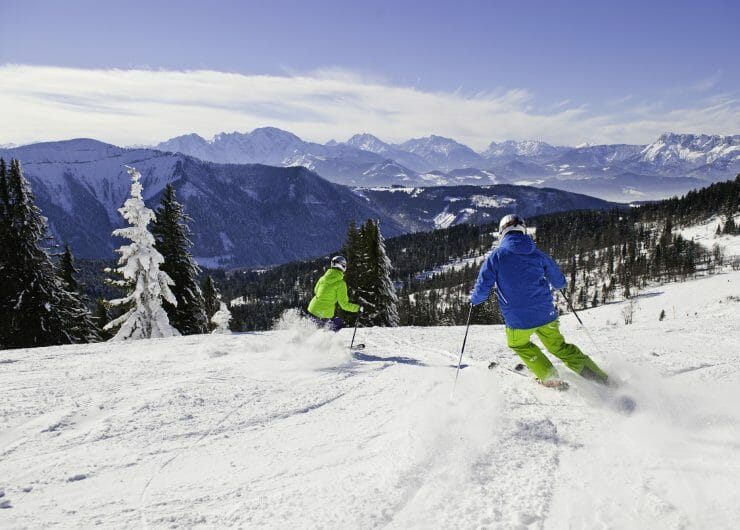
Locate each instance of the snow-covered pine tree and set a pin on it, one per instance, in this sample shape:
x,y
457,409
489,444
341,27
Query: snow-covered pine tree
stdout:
x,y
172,236
31,295
212,300
378,290
81,325
146,285
221,319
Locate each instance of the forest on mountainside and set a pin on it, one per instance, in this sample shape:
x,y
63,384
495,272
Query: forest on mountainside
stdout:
x,y
605,255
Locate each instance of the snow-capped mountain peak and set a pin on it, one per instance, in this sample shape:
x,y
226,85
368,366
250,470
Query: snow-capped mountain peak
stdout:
x,y
368,142
262,134
433,143
674,163
695,149
444,153
525,148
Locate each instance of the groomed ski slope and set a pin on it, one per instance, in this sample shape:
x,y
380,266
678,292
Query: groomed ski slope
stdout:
x,y
285,429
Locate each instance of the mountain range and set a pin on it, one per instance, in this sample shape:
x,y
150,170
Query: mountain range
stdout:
x,y
248,215
672,164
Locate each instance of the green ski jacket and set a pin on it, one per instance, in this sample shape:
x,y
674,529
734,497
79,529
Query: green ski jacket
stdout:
x,y
330,290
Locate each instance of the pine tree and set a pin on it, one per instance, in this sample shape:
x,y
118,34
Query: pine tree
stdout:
x,y
353,252
211,300
81,326
730,226
67,270
378,290
31,295
102,318
5,255
145,284
171,232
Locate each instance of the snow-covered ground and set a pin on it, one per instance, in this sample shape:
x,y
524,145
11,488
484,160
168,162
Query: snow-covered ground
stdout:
x,y
705,234
286,429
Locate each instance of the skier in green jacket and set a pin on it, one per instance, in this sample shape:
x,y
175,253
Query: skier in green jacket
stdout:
x,y
330,290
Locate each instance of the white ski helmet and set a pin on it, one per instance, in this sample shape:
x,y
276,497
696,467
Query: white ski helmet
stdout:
x,y
339,262
510,223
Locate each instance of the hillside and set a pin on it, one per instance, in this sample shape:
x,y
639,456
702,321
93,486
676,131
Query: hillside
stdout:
x,y
246,215
445,206
606,254
287,429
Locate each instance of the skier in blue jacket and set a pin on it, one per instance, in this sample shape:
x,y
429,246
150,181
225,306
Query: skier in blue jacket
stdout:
x,y
522,275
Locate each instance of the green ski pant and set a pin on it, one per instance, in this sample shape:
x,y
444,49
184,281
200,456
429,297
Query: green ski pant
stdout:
x,y
537,362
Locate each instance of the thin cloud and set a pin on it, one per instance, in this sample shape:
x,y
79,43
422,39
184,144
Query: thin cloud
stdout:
x,y
141,106
707,84
621,101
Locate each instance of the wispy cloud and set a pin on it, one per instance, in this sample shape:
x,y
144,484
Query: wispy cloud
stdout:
x,y
707,84
621,101
147,106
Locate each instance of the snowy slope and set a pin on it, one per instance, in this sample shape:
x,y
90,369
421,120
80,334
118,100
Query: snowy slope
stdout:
x,y
285,429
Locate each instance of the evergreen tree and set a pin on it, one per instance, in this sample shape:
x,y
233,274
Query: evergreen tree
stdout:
x,y
143,281
377,287
32,299
211,300
730,226
102,318
354,254
6,288
80,325
171,232
356,273
67,270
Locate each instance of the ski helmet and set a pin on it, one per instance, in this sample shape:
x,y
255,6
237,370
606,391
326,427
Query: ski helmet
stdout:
x,y
339,262
510,223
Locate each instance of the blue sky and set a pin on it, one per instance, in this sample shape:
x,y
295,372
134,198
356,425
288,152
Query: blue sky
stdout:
x,y
564,72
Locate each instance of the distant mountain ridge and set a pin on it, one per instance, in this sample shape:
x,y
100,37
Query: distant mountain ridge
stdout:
x,y
621,172
247,215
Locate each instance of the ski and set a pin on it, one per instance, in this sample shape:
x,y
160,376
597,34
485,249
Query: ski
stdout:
x,y
622,403
357,347
557,384
518,369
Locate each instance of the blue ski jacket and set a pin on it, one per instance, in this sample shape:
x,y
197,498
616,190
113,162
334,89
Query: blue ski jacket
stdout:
x,y
522,275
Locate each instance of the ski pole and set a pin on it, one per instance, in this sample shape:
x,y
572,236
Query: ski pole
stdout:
x,y
357,320
459,362
570,306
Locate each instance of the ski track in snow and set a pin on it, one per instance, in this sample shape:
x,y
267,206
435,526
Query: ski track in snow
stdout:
x,y
288,429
